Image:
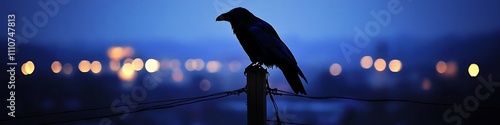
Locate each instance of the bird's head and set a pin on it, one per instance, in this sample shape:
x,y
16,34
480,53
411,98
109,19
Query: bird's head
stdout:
x,y
237,15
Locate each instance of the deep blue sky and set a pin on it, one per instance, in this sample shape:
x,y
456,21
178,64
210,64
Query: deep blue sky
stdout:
x,y
191,20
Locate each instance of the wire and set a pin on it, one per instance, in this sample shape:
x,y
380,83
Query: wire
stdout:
x,y
270,91
182,101
144,109
290,123
285,93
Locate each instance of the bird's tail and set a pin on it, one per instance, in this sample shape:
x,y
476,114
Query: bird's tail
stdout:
x,y
292,76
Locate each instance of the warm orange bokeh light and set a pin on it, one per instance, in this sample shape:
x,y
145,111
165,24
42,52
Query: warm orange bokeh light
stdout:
x,y
116,53
127,72
29,67
177,75
213,66
426,84
114,65
23,69
335,69
138,64
380,64
56,66
128,51
84,66
441,67
395,65
95,67
366,62
452,69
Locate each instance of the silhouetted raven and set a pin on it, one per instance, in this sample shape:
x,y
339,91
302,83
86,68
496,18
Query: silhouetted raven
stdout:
x,y
263,45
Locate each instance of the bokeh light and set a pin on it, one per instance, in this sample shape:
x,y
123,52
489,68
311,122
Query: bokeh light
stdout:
x,y
138,64
335,69
473,70
116,53
205,85
114,65
127,72
56,66
95,67
67,68
23,69
194,64
213,66
426,84
452,68
29,67
366,62
380,64
175,64
177,75
441,67
234,66
152,65
128,51
84,66
128,60
395,65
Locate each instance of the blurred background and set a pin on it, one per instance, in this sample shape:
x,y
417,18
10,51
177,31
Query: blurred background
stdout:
x,y
74,55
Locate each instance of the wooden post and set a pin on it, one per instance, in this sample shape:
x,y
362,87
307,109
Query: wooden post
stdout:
x,y
256,95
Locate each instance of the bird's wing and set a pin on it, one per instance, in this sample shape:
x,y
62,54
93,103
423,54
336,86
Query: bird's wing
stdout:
x,y
266,36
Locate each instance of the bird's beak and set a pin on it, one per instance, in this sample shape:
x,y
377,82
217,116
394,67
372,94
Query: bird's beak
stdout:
x,y
220,18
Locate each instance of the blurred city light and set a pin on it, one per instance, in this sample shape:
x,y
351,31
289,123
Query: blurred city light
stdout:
x,y
441,67
138,64
128,51
30,67
335,69
84,66
67,68
116,53
451,69
213,66
95,67
127,72
175,64
473,70
205,85
380,64
366,62
426,84
234,66
128,60
395,65
114,65
56,66
23,69
152,65
177,75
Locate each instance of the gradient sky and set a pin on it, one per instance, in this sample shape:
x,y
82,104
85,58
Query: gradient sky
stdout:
x,y
190,20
